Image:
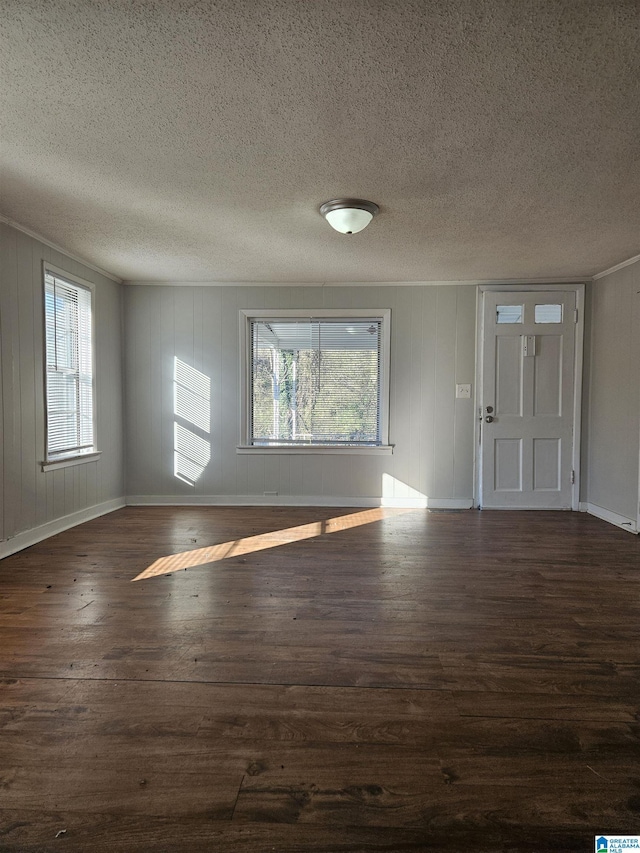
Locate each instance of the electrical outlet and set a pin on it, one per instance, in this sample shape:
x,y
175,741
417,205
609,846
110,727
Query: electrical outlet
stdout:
x,y
463,392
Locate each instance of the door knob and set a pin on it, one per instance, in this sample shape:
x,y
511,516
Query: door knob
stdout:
x,y
489,409
489,419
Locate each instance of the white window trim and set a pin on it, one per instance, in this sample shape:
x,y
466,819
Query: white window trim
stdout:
x,y
69,461
247,316
92,454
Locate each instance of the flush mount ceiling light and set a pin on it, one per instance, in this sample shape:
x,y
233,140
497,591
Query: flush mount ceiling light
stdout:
x,y
349,215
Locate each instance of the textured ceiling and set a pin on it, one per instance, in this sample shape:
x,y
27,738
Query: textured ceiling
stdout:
x,y
163,139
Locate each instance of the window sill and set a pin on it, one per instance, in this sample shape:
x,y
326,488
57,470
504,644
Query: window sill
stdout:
x,y
314,449
68,461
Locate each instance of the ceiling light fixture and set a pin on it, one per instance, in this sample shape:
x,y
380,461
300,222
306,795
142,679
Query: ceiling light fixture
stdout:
x,y
349,215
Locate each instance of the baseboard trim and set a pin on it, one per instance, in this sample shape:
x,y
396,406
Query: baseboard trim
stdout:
x,y
31,537
59,525
613,518
450,503
27,538
297,500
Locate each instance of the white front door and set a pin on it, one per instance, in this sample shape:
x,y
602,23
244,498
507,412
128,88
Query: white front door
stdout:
x,y
528,360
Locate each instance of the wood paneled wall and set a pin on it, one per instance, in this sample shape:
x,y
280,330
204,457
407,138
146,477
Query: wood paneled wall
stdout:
x,y
432,348
30,498
614,393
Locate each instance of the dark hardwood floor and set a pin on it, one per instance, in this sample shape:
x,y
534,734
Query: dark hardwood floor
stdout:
x,y
391,681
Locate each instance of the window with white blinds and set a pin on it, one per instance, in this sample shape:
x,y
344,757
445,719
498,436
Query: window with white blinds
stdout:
x,y
317,381
69,367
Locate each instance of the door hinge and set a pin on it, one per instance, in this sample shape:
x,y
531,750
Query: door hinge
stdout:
x,y
575,315
573,477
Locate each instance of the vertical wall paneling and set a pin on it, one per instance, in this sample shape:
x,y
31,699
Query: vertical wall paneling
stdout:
x,y
401,392
432,332
636,327
295,475
70,477
586,396
143,385
465,348
230,401
154,425
445,359
27,368
10,386
183,330
313,482
41,514
416,379
109,349
7,238
427,391
614,416
30,497
2,443
197,359
212,363
165,354
310,297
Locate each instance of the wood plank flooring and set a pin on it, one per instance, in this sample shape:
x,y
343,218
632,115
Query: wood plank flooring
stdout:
x,y
405,681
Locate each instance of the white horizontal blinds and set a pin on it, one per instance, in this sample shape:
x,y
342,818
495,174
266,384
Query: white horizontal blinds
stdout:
x,y
316,381
69,367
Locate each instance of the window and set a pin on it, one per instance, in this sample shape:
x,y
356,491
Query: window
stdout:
x,y
69,367
548,313
316,381
509,313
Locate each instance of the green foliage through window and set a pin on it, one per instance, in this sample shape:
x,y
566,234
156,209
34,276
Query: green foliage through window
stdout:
x,y
316,382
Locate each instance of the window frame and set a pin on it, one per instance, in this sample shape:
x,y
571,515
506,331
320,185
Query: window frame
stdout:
x,y
74,456
247,316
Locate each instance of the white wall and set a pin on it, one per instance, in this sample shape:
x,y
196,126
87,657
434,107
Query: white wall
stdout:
x,y
614,394
31,500
432,348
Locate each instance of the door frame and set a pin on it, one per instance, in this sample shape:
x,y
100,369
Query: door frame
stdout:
x,y
579,289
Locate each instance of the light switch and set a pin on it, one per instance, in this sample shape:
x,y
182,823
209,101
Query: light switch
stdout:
x,y
463,392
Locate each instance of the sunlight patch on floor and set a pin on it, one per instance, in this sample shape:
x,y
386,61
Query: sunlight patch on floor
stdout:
x,y
263,541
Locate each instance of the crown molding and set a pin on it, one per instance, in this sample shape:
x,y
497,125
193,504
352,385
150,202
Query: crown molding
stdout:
x,y
58,248
137,283
475,282
617,267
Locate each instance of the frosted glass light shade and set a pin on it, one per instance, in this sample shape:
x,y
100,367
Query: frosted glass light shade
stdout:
x,y
348,216
349,220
